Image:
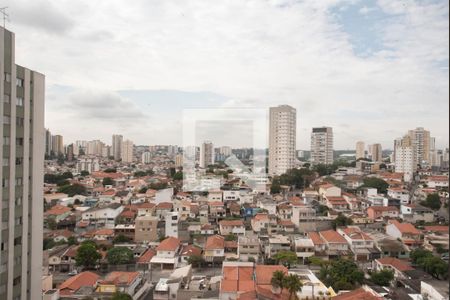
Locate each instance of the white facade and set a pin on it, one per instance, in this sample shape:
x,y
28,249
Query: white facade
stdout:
x,y
405,161
376,153
360,150
171,220
127,151
88,164
22,96
146,157
282,139
206,155
421,141
117,141
322,145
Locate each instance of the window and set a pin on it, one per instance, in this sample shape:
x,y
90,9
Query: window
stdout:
x,y
19,161
19,181
5,182
6,141
7,77
18,241
19,121
19,82
6,98
6,120
19,101
19,141
5,162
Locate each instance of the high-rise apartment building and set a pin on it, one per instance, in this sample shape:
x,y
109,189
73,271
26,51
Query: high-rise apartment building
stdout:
x,y
225,151
282,139
57,144
376,152
405,157
422,141
127,151
22,148
322,145
48,142
360,150
206,154
146,157
117,141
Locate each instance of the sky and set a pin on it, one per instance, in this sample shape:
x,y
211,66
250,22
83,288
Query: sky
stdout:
x,y
371,69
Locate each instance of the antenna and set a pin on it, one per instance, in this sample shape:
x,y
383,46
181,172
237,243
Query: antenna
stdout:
x,y
5,15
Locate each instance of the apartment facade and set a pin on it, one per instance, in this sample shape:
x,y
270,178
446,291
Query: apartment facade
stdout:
x,y
127,151
421,140
22,149
376,152
282,139
360,150
405,157
117,141
206,154
322,146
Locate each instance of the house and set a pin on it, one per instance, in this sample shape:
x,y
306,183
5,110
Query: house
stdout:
x,y
188,251
162,209
286,226
103,215
336,245
124,282
75,283
237,279
264,289
58,213
400,194
214,250
171,224
146,229
127,230
381,212
276,244
304,248
320,245
437,182
167,253
59,235
215,195
249,248
216,209
361,293
394,264
146,209
227,227
284,211
361,244
415,213
259,222
336,203
104,234
406,232
144,261
329,190
390,247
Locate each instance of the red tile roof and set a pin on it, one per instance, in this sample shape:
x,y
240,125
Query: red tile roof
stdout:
x,y
264,273
237,279
396,263
147,256
332,236
316,238
383,208
121,278
443,229
74,283
57,210
407,228
169,244
358,294
356,234
215,242
164,205
231,223
190,250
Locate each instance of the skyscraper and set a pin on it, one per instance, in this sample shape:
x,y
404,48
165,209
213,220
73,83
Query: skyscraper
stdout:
x,y
360,150
48,142
376,152
127,151
405,158
57,144
206,154
282,139
117,141
322,145
22,148
421,141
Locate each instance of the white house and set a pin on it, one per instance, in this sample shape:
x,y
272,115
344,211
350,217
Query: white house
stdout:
x,y
400,194
167,253
164,195
106,215
171,220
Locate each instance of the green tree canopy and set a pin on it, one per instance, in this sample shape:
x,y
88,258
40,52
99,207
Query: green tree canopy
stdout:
x,y
431,264
341,220
110,170
196,261
74,189
107,181
286,258
120,239
341,274
277,280
432,201
84,173
87,255
293,284
121,296
300,178
178,176
383,277
377,183
120,256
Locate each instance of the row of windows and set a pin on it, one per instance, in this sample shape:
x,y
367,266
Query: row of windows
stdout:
x,y
7,78
7,141
18,182
7,99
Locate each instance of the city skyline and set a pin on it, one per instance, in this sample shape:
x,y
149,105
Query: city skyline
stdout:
x,y
392,69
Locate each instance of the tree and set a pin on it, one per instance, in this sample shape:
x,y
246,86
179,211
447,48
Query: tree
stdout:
x,y
87,255
431,264
48,243
341,220
196,261
110,170
121,296
277,280
377,183
158,185
84,173
383,277
231,237
432,201
275,188
341,274
107,181
287,258
139,174
120,239
51,223
293,284
72,240
178,176
120,256
67,174
323,170
300,178
72,190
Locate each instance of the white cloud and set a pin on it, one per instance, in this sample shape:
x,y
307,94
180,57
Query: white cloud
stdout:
x,y
256,52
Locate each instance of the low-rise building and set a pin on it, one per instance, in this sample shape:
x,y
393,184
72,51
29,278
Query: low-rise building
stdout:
x,y
406,232
146,229
249,248
214,250
167,253
231,227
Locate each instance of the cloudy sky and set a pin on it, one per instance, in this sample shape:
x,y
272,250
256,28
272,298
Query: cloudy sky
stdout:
x,y
371,69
